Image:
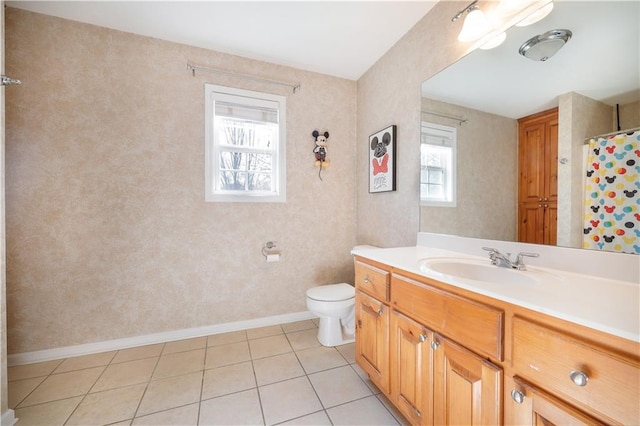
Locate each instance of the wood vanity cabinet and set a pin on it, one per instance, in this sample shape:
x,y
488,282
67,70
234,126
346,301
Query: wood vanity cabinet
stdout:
x,y
372,323
444,355
538,178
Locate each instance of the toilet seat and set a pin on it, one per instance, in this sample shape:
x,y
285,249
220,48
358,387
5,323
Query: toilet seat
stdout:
x,y
331,292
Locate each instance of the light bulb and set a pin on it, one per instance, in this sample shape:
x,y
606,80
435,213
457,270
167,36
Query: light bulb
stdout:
x,y
536,16
494,41
475,26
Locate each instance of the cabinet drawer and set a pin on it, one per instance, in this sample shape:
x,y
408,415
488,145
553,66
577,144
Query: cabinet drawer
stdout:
x,y
547,357
474,325
373,281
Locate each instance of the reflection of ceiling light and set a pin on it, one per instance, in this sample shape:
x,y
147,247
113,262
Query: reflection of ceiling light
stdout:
x,y
494,42
544,46
536,16
475,26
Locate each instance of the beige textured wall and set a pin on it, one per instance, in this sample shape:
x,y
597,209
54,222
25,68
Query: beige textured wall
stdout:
x,y
108,234
629,115
487,169
579,117
389,93
4,398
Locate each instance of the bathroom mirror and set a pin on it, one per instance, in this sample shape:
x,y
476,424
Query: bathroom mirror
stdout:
x,y
483,94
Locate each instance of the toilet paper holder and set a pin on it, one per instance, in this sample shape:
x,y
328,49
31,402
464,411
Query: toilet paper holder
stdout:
x,y
270,253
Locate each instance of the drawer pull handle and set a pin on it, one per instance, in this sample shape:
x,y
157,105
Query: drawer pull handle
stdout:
x,y
579,378
366,280
517,396
423,338
435,345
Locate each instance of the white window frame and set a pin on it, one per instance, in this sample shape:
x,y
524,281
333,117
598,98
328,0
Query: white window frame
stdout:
x,y
439,135
278,194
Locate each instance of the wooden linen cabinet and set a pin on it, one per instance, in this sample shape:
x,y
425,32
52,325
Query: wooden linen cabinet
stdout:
x,y
538,178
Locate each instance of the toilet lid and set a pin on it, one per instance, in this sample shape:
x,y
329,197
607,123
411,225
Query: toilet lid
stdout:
x,y
332,292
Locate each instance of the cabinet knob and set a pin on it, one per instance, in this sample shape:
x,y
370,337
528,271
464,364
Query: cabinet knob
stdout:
x,y
579,378
545,199
546,205
517,396
380,311
366,280
539,199
423,338
435,345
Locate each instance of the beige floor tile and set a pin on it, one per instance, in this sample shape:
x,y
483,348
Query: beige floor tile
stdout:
x,y
184,345
258,333
338,386
219,356
241,408
141,352
367,411
269,346
277,368
47,414
64,385
298,326
227,338
229,379
348,351
29,371
183,416
171,393
320,358
393,410
86,361
365,377
19,389
125,374
288,400
106,407
316,419
304,339
179,363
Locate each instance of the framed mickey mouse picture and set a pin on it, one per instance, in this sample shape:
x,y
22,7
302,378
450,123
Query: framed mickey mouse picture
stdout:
x,y
382,160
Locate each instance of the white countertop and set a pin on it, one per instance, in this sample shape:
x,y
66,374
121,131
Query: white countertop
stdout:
x,y
608,305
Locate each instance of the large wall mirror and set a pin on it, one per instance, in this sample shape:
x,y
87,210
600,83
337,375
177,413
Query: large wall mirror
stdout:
x,y
594,80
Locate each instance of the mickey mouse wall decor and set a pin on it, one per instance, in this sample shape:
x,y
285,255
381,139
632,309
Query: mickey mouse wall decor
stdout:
x,y
382,160
320,150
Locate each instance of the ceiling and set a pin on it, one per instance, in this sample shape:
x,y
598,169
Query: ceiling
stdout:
x,y
600,61
341,38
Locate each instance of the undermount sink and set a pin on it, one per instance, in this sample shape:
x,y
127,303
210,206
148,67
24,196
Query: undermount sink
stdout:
x,y
477,270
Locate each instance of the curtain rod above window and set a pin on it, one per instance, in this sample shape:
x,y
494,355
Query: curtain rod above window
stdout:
x,y
460,120
194,68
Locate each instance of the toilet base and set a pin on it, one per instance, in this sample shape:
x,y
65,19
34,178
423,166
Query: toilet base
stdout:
x,y
331,333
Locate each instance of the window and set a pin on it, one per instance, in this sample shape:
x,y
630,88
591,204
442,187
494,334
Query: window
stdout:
x,y
438,165
245,145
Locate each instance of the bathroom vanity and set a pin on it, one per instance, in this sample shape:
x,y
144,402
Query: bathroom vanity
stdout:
x,y
449,342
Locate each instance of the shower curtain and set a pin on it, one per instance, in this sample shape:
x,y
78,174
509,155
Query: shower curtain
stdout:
x,y
612,200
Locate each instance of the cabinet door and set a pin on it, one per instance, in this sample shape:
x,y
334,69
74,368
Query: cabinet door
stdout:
x,y
530,406
372,339
531,222
531,161
411,369
467,389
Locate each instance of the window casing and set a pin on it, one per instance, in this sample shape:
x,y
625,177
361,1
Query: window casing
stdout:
x,y
438,165
245,140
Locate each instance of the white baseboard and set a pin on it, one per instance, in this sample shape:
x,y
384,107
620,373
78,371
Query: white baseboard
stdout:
x,y
149,339
8,418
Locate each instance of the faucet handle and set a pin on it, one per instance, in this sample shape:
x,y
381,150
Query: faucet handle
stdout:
x,y
490,250
519,261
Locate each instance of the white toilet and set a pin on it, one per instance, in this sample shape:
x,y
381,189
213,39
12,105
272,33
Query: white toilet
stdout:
x,y
335,305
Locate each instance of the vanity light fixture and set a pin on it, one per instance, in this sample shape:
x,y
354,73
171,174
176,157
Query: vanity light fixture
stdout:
x,y
475,24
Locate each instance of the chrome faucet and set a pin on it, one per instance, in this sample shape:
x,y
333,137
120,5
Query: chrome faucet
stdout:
x,y
504,260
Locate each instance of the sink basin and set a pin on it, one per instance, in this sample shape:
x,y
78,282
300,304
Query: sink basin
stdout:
x,y
477,270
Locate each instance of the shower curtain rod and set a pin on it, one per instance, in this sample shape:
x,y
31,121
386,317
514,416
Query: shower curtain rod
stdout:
x,y
618,132
194,68
450,117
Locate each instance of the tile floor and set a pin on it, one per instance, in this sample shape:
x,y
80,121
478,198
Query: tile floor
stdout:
x,y
266,376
